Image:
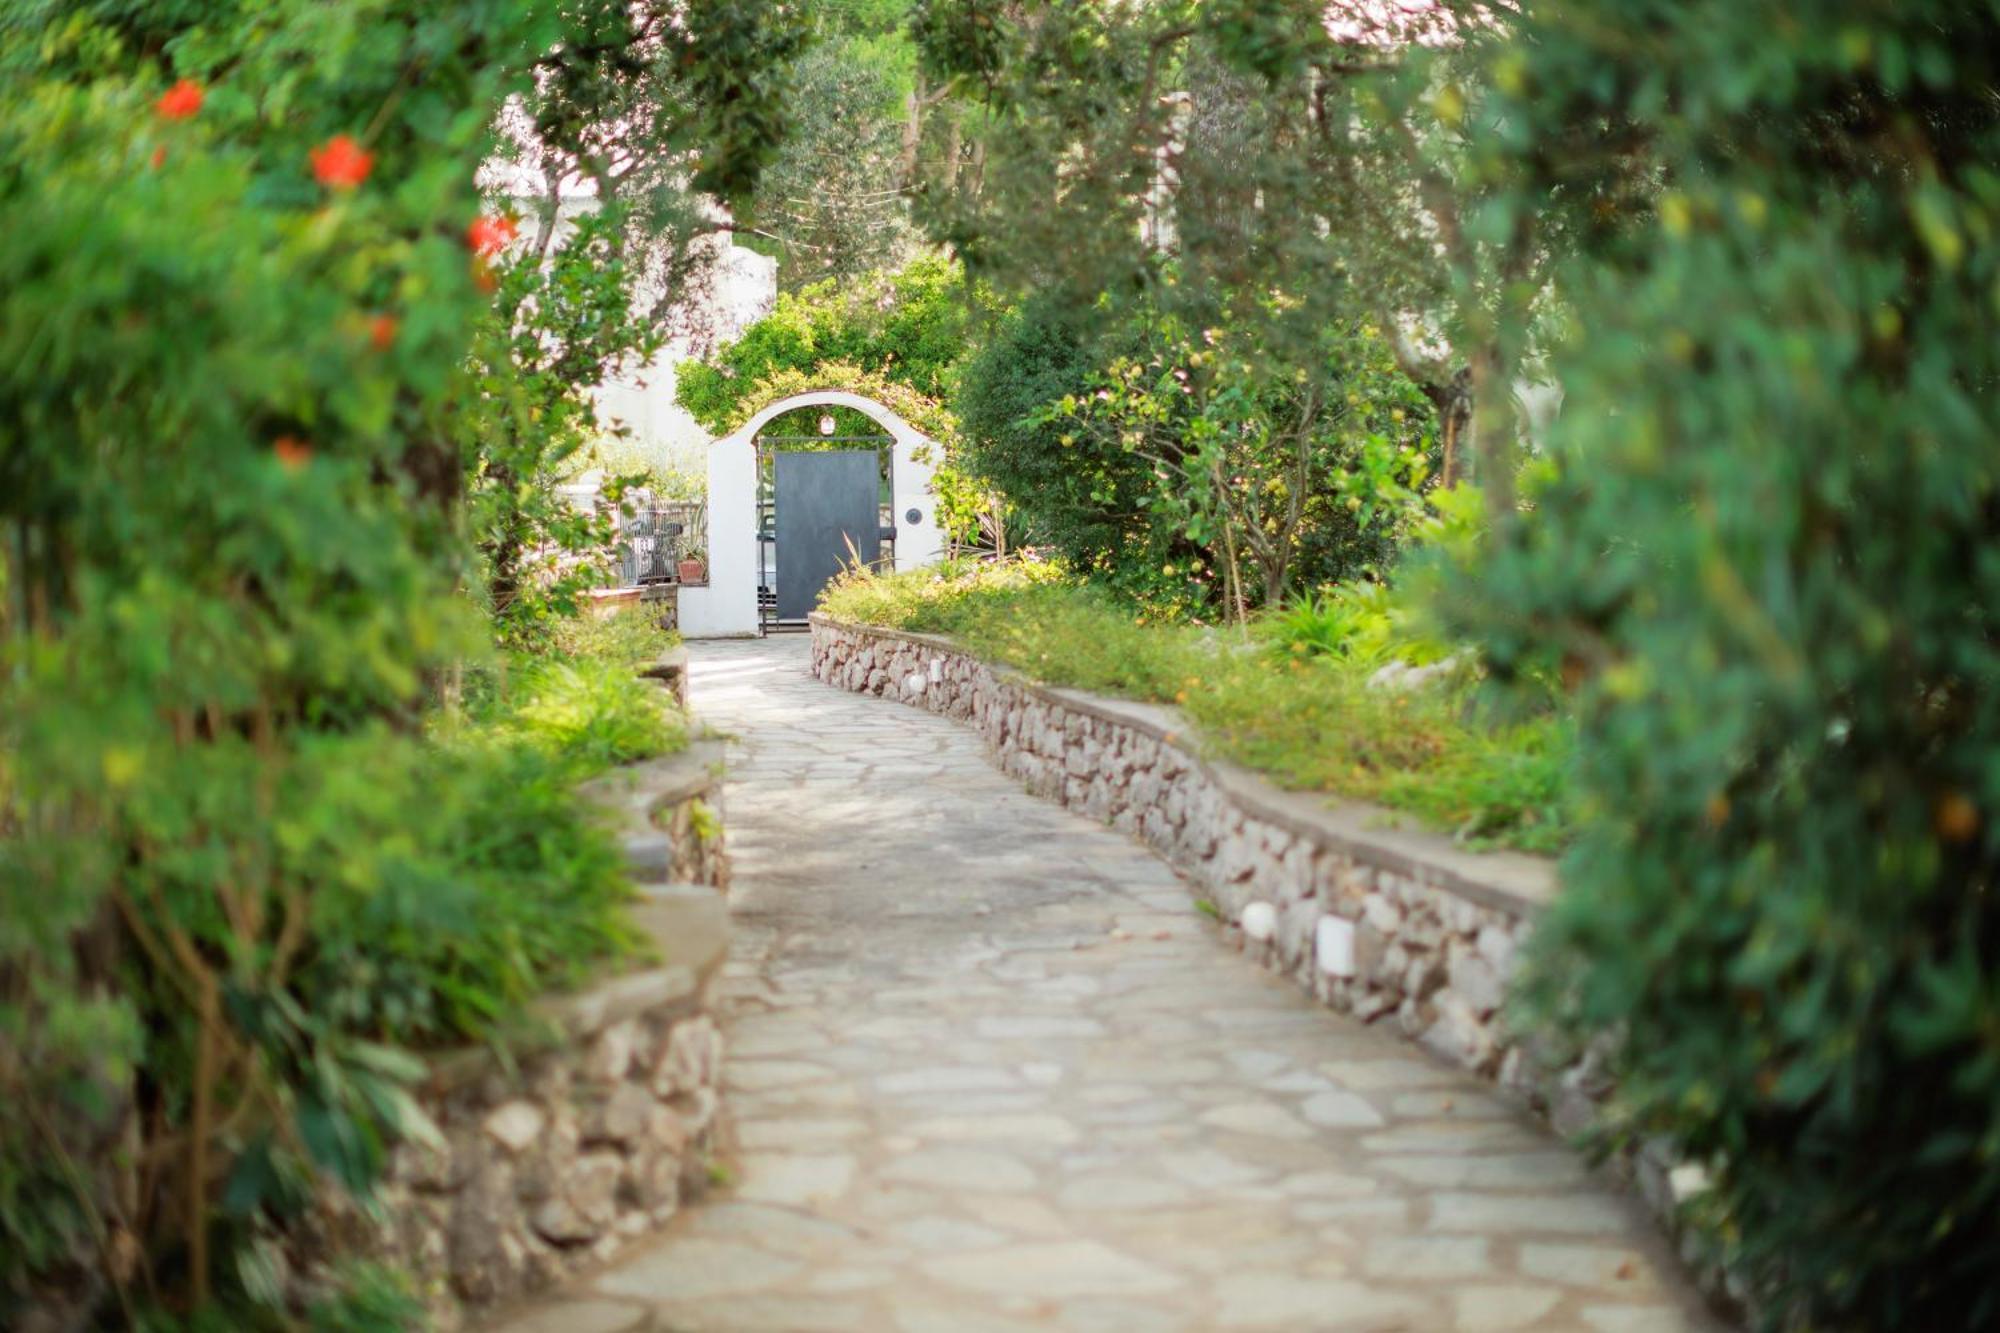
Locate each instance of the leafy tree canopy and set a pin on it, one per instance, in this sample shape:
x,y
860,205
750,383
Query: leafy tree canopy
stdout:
x,y
909,326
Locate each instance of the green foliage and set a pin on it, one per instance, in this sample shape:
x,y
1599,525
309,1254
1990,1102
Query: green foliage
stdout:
x,y
1078,504
831,202
1196,469
1350,620
369,1298
907,327
926,600
1767,559
626,637
1274,472
926,414
235,876
556,328
596,714
226,573
1269,153
1316,724
643,465
704,822
505,889
1309,722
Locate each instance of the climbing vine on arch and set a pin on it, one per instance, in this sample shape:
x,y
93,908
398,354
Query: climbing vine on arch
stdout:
x,y
964,510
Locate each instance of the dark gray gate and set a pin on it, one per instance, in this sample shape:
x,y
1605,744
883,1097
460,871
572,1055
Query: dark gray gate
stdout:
x,y
824,502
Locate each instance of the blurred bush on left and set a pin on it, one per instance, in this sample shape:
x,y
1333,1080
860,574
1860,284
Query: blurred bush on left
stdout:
x,y
239,876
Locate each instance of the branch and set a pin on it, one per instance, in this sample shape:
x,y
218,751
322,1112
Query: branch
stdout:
x,y
1430,372
1436,191
554,211
737,228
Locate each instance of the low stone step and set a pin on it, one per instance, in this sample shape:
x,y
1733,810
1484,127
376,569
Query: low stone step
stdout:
x,y
688,924
670,668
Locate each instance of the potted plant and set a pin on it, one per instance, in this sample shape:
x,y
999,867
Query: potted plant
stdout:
x,y
692,568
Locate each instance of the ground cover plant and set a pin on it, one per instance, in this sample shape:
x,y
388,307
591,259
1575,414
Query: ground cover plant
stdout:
x,y
1290,696
582,704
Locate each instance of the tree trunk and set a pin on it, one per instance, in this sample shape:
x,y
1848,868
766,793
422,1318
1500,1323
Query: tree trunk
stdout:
x,y
1453,400
1492,443
913,134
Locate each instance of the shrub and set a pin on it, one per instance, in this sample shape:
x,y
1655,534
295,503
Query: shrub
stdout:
x,y
629,638
908,326
1084,504
221,510
1348,620
235,319
435,933
596,714
1768,560
1193,458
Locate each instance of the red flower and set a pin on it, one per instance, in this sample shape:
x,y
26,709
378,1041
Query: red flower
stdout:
x,y
159,157
489,236
293,453
341,164
180,101
382,332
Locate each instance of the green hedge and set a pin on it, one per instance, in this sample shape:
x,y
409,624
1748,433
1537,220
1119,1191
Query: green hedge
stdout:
x,y
1770,555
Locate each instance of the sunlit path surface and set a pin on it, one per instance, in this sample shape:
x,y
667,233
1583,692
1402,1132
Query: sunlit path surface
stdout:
x,y
992,1071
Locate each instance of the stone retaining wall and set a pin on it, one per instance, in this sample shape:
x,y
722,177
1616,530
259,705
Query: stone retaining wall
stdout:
x,y
670,669
668,815
1393,925
599,1116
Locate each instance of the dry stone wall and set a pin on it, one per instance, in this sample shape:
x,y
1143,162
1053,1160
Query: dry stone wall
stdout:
x,y
1391,925
598,1118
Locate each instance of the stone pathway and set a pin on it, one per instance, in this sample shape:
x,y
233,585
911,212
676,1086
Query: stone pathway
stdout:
x,y
992,1071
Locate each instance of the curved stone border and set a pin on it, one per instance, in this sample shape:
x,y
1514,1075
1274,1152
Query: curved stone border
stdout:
x,y
590,1121
668,815
1383,922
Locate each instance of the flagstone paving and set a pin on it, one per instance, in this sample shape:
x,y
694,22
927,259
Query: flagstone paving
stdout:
x,y
992,1072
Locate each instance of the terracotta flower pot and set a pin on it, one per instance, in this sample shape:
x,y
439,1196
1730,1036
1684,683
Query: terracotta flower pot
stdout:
x,y
693,571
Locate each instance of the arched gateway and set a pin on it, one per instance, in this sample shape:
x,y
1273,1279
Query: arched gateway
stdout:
x,y
780,521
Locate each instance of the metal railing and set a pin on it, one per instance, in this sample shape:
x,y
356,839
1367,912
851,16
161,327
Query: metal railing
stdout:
x,y
653,541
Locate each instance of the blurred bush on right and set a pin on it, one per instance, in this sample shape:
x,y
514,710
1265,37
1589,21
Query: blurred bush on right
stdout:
x,y
1768,560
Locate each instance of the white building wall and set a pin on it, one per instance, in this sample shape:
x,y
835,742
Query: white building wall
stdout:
x,y
728,605
743,288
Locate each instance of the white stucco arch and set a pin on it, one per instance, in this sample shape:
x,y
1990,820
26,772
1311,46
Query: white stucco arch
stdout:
x,y
728,605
